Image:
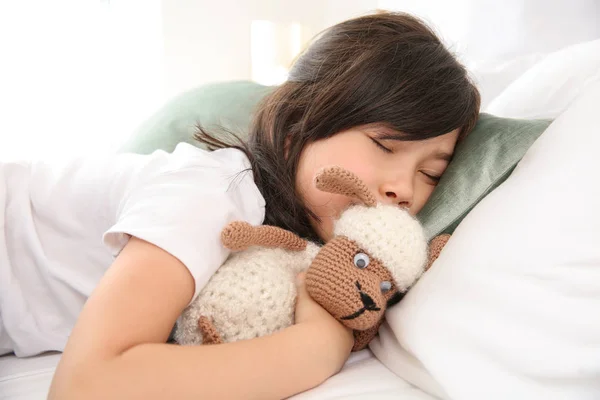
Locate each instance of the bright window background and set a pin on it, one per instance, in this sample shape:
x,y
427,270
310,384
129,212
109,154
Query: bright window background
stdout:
x,y
76,75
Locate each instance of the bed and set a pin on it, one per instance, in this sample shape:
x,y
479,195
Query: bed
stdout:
x,y
464,353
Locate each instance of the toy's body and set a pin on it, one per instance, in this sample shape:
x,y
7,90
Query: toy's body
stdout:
x,y
252,294
377,253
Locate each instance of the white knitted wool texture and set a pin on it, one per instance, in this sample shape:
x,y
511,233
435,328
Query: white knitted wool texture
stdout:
x,y
252,294
391,235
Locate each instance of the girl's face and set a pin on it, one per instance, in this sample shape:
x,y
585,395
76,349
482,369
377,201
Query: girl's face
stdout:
x,y
396,172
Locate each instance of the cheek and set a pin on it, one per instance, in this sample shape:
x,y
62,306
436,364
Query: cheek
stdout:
x,y
363,162
422,194
352,156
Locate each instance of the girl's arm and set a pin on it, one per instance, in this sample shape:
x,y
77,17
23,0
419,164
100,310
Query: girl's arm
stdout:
x,y
117,349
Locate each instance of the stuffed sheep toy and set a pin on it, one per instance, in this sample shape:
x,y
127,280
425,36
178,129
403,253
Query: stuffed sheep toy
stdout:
x,y
377,252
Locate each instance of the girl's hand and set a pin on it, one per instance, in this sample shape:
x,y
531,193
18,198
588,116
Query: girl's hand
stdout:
x,y
309,312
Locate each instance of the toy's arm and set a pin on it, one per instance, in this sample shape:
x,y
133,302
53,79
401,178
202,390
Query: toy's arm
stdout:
x,y
240,235
435,248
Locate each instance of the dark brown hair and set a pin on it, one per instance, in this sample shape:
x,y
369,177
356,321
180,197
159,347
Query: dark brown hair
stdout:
x,y
385,68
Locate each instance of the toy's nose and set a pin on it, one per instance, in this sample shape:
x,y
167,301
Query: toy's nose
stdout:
x,y
366,299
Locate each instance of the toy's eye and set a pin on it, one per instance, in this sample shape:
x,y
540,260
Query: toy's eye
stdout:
x,y
385,286
361,260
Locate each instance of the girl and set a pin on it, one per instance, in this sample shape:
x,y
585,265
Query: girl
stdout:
x,y
378,95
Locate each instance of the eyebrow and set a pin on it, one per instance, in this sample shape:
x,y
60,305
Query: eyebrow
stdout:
x,y
442,155
385,133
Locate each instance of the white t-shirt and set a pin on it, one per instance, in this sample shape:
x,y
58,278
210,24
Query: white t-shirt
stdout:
x,y
64,224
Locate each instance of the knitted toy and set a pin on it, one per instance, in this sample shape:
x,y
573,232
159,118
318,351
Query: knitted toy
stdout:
x,y
376,254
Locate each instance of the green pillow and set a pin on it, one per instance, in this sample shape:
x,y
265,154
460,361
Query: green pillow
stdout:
x,y
226,104
480,164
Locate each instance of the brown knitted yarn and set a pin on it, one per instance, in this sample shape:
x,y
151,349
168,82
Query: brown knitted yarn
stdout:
x,y
340,181
240,235
344,289
363,338
435,248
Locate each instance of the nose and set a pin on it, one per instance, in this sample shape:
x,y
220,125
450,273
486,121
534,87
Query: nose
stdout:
x,y
398,191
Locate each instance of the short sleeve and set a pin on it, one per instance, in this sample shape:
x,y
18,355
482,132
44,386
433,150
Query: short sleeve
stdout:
x,y
182,207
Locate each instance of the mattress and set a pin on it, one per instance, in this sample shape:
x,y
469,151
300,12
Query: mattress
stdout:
x,y
363,377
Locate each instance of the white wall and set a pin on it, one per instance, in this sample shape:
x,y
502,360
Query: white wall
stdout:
x,y
208,40
339,10
502,30
76,76
204,41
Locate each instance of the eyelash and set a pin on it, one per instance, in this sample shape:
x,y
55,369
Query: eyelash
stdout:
x,y
436,179
382,147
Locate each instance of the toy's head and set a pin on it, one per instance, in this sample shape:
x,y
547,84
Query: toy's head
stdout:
x,y
377,253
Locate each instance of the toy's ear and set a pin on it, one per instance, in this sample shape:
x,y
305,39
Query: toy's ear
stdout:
x,y
435,248
240,235
340,181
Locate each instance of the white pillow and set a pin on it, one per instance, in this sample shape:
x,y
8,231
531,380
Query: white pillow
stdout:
x,y
511,309
492,77
547,88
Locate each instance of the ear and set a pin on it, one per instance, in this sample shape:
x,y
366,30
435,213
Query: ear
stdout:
x,y
435,248
240,235
340,181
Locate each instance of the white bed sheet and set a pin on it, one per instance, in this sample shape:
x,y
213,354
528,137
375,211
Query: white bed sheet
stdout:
x,y
26,378
363,377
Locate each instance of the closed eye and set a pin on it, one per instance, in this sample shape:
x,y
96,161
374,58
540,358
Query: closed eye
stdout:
x,y
433,178
382,147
